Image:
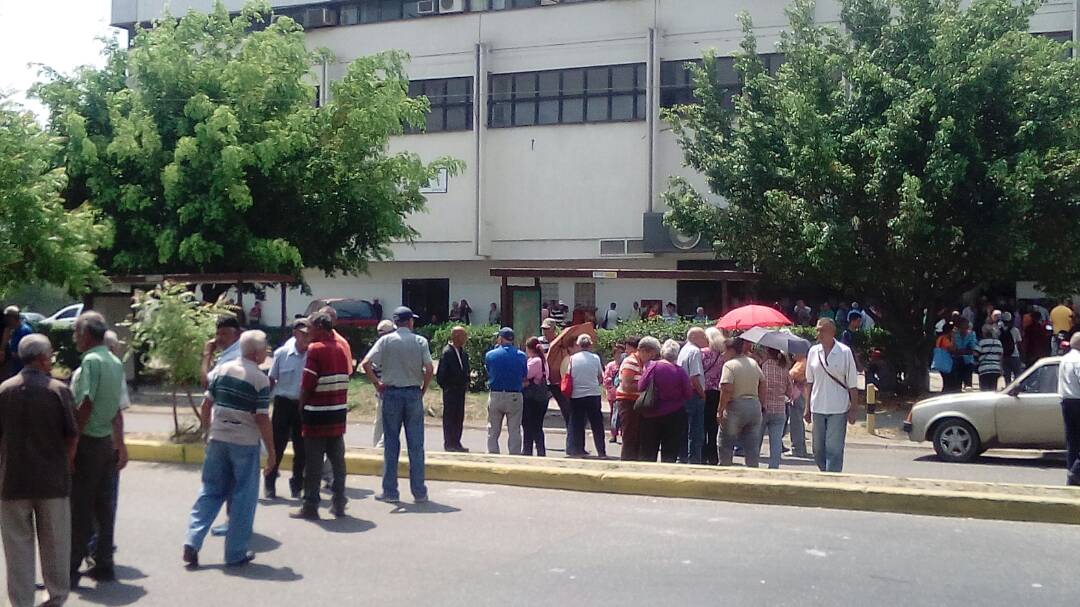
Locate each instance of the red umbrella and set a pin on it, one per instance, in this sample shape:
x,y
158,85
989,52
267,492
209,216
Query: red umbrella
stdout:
x,y
752,316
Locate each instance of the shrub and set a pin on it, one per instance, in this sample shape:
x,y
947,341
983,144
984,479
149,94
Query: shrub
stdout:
x,y
655,327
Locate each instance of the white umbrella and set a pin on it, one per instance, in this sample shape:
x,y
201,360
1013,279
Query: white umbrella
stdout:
x,y
778,340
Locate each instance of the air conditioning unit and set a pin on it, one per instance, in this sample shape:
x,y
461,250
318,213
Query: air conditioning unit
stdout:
x,y
659,238
319,17
451,6
425,7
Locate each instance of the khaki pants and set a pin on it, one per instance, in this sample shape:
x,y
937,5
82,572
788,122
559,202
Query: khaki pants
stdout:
x,y
506,405
51,520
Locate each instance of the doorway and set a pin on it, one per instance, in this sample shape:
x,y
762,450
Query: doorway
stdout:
x,y
429,298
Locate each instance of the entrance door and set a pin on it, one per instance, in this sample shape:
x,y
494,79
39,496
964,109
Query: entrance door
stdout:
x,y
584,302
429,298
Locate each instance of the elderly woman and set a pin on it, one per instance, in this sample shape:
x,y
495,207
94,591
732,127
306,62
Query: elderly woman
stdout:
x,y
742,392
774,407
587,374
663,426
712,361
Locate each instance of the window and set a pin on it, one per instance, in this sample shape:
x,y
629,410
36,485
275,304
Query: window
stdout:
x,y
1062,37
1043,380
374,11
677,81
612,93
451,103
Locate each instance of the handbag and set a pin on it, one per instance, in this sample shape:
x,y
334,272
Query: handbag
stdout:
x,y
942,361
567,383
646,401
538,392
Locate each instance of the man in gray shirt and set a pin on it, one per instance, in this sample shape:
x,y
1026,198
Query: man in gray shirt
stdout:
x,y
404,362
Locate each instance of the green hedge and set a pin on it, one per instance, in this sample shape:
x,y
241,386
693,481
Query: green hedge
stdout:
x,y
656,327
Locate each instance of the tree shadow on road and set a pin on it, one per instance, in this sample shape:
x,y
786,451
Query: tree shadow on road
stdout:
x,y
425,508
1048,461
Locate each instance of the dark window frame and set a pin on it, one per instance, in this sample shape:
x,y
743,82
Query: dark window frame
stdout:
x,y
681,91
531,98
442,104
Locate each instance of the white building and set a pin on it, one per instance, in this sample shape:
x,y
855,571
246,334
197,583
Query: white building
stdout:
x,y
554,106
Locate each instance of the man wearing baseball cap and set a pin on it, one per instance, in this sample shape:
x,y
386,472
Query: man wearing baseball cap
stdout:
x,y
286,375
506,368
404,362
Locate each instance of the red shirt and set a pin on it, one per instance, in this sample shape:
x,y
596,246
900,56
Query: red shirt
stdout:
x,y
326,386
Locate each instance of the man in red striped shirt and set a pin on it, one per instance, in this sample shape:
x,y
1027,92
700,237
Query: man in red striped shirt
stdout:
x,y
324,405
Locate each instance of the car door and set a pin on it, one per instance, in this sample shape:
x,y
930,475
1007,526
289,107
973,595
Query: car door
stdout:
x,y
1031,417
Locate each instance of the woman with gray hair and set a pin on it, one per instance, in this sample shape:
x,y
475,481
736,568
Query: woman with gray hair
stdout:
x,y
712,362
663,426
587,374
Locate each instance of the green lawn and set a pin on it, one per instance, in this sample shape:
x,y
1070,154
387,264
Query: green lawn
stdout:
x,y
362,402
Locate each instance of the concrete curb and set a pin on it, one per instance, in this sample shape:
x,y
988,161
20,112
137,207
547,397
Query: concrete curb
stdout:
x,y
815,490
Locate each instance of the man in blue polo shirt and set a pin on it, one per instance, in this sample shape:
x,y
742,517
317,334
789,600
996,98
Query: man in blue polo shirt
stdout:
x,y
506,368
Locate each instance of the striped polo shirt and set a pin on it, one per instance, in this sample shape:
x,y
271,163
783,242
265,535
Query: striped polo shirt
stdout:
x,y
326,384
239,391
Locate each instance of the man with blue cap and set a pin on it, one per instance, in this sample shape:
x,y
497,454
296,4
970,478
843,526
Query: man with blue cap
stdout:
x,y
506,368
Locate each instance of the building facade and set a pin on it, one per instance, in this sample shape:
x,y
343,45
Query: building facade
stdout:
x,y
554,105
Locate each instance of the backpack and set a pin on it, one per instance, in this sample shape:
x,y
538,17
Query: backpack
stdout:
x,y
1008,344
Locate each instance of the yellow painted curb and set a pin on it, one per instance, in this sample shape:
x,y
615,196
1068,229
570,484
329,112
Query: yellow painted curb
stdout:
x,y
817,491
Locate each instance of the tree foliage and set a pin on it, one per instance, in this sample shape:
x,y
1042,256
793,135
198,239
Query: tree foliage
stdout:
x,y
204,143
40,241
922,151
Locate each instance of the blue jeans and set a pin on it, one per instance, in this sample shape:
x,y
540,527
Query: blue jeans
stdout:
x,y
695,425
403,406
230,472
830,430
773,425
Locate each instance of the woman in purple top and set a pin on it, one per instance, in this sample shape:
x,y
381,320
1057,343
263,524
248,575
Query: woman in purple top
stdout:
x,y
712,361
663,428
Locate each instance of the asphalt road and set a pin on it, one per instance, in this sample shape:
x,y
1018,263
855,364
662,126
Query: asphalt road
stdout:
x,y
903,458
497,545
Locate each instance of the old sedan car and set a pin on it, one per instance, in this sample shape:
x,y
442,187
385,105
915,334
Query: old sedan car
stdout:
x,y
1025,415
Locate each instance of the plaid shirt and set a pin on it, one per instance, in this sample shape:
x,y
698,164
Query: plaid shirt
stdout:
x,y
777,385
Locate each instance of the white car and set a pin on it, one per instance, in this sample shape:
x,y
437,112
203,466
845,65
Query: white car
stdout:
x,y
1025,415
64,317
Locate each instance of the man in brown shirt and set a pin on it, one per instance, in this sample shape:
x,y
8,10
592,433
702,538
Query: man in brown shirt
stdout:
x,y
37,441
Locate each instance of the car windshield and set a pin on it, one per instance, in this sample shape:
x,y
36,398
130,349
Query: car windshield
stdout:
x,y
354,310
1043,380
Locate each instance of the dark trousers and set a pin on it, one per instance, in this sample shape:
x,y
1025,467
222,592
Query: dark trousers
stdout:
x,y
1070,410
665,435
453,416
712,448
333,448
966,371
92,501
988,381
564,407
532,426
582,410
286,423
630,422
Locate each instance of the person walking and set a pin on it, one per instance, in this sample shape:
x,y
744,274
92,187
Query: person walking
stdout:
x,y
586,376
712,360
796,424
990,351
833,393
101,449
1069,390
742,394
626,394
453,378
286,375
239,400
37,442
385,327
536,396
690,359
611,386
405,360
774,407
506,369
663,426
1011,366
324,396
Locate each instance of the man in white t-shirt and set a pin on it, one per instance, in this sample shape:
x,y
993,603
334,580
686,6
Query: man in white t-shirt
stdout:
x,y
611,318
832,389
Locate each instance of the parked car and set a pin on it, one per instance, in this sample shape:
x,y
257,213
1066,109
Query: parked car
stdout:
x,y
1025,415
350,312
32,317
64,317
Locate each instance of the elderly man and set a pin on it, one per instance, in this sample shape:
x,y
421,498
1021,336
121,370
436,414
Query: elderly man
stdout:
x,y
1069,389
506,369
225,345
286,373
690,359
239,397
324,396
14,330
406,368
832,389
101,448
37,440
453,378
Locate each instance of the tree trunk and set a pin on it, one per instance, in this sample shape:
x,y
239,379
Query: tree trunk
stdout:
x,y
175,414
195,410
908,350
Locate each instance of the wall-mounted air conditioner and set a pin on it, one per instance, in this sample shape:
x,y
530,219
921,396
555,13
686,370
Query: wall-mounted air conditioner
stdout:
x,y
661,239
425,7
451,6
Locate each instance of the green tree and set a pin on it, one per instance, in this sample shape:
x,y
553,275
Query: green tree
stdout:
x,y
169,330
40,241
204,144
917,153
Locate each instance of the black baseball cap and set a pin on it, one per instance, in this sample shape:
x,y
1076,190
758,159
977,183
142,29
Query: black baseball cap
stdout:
x,y
403,313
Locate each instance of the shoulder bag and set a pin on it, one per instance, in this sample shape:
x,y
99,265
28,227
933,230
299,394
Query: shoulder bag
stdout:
x,y
825,367
567,384
646,401
538,392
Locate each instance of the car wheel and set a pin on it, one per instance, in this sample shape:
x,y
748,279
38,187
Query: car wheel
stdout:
x,y
955,440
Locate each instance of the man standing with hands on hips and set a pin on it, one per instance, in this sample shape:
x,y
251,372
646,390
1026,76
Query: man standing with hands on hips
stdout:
x,y
832,389
406,369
